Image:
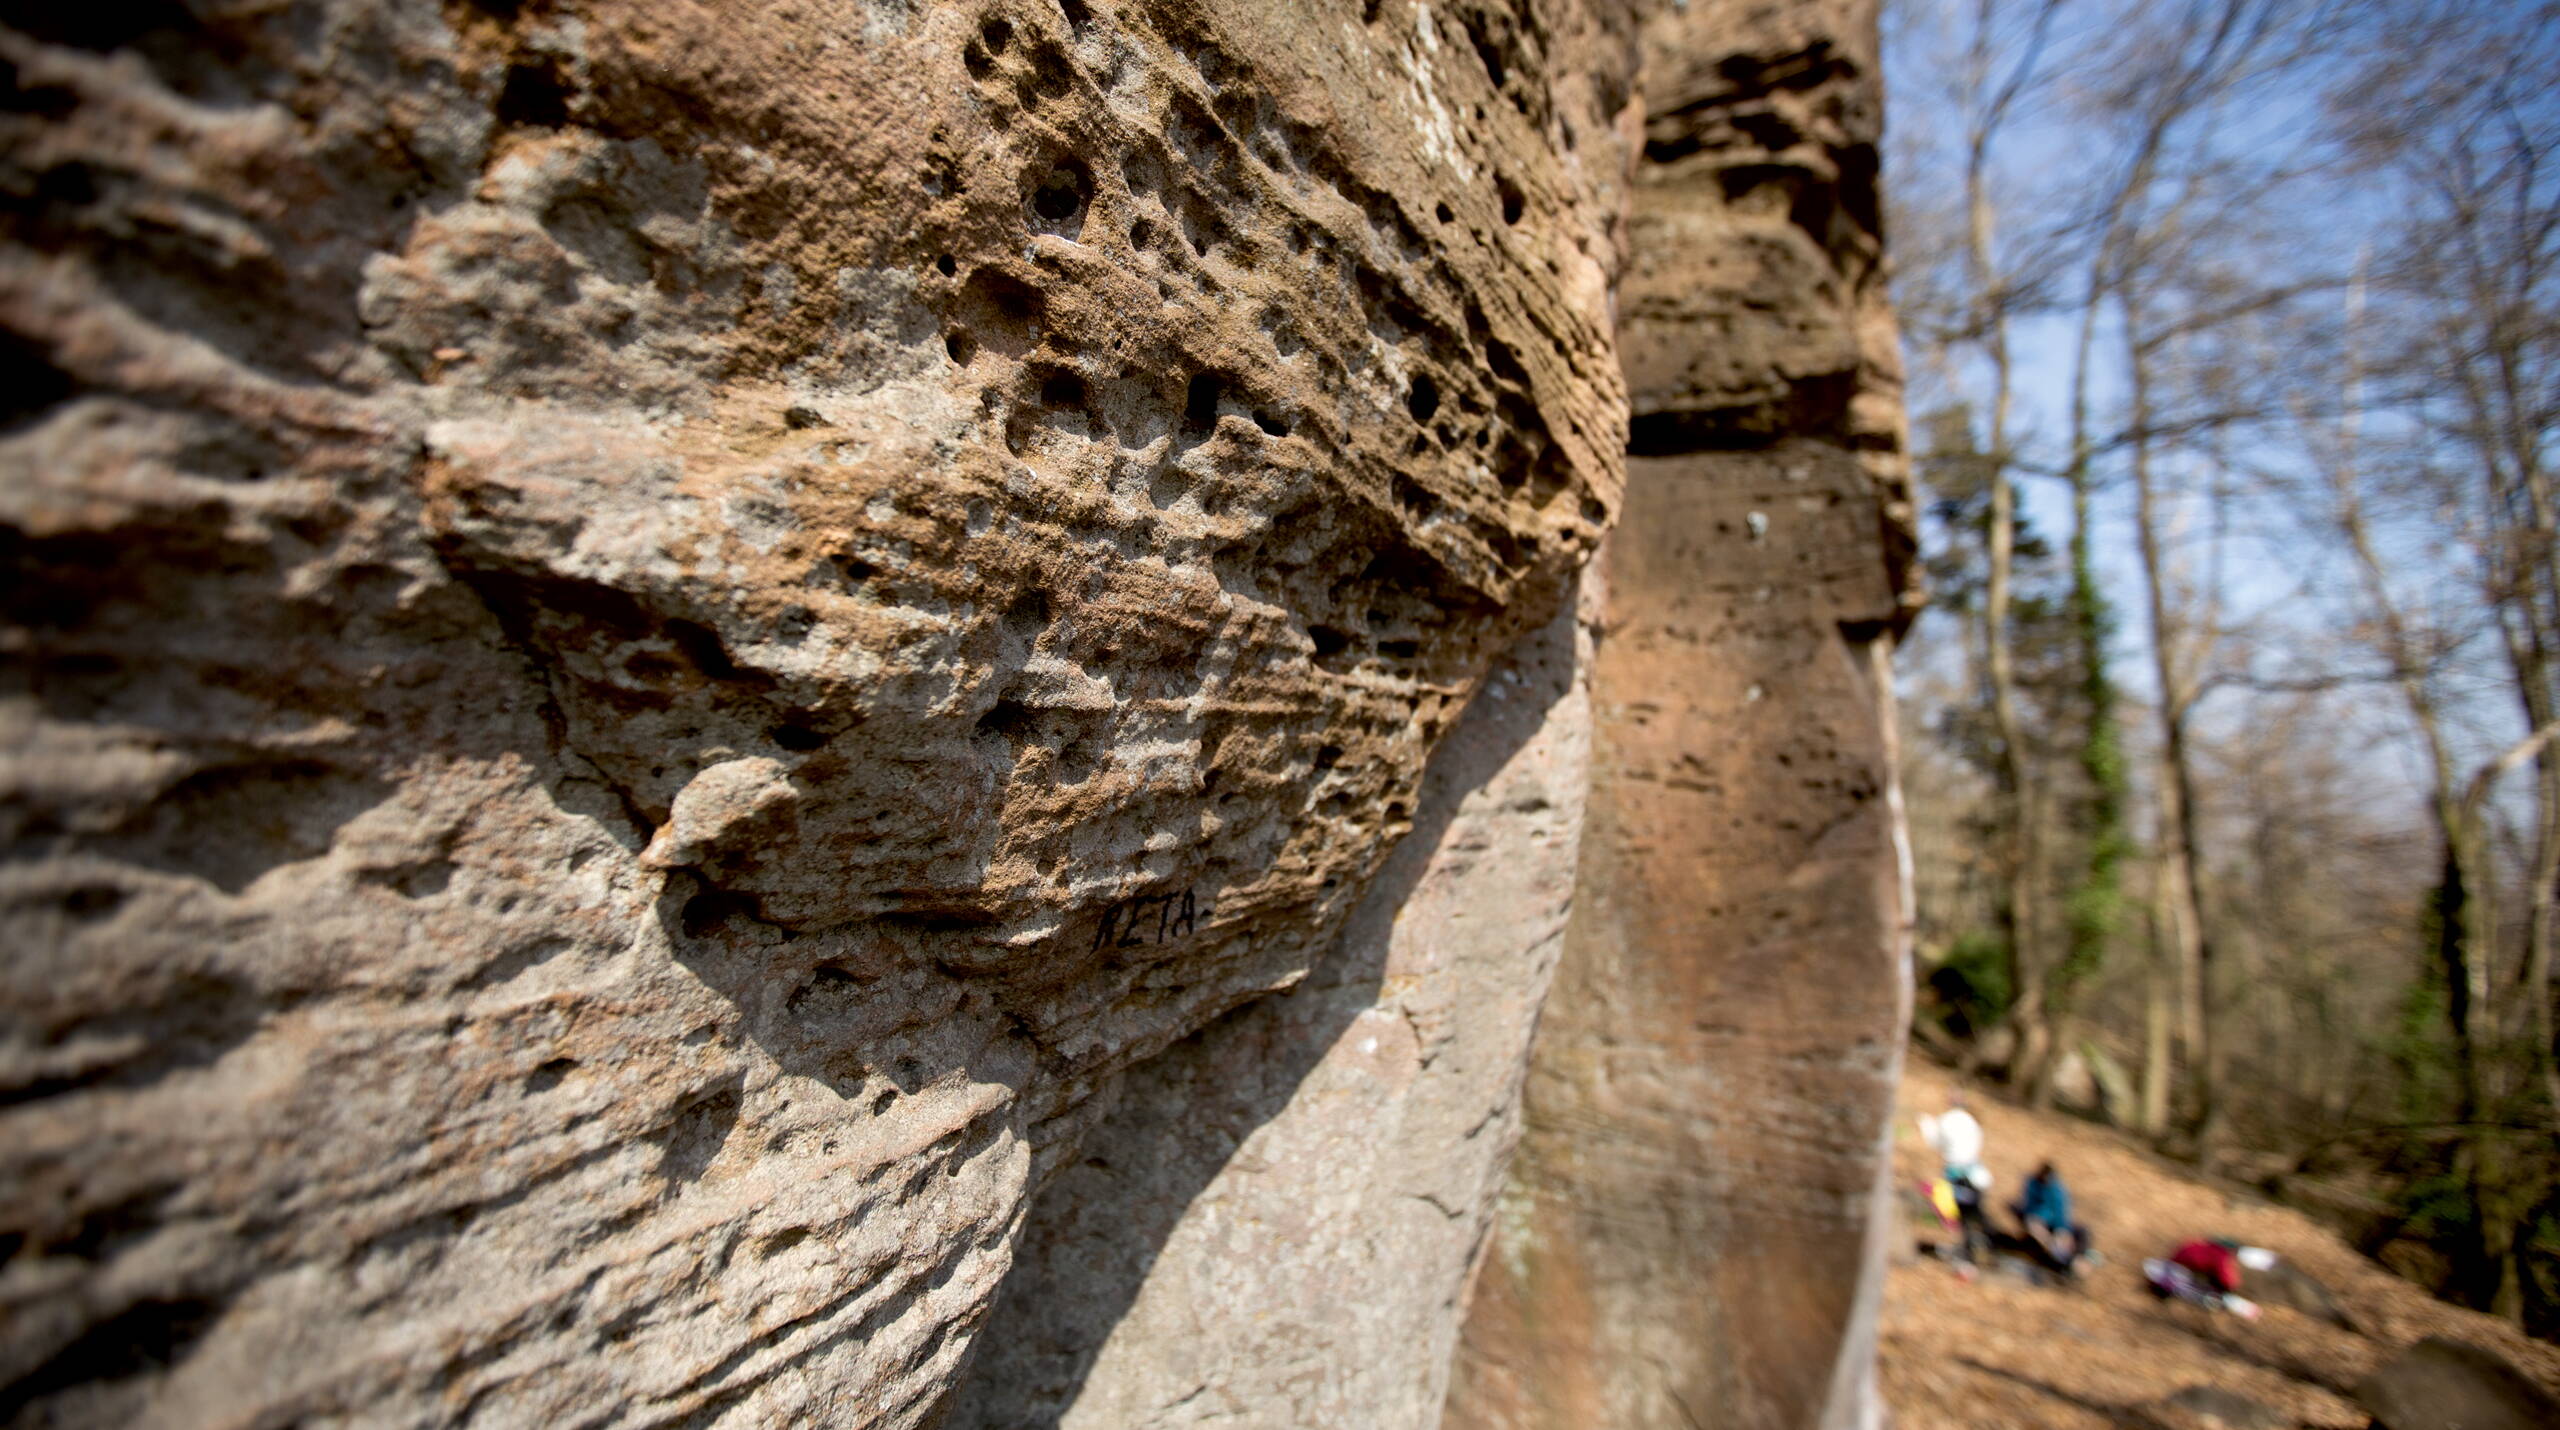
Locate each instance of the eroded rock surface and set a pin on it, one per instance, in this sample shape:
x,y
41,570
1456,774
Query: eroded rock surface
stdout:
x,y
873,712
1276,1222
647,642
1690,1239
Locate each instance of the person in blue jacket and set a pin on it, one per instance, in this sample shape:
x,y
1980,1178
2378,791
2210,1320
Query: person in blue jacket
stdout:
x,y
2043,1211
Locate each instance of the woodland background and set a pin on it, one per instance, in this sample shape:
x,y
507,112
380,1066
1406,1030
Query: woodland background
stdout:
x,y
2233,329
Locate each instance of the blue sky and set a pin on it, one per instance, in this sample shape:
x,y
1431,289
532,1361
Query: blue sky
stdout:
x,y
2293,590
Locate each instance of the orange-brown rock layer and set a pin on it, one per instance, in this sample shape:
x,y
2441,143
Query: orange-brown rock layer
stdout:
x,y
1688,1238
649,640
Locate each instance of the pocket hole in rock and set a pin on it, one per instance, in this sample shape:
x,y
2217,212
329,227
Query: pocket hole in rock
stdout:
x,y
1491,56
1028,616
711,910
90,902
1062,389
1200,403
71,184
534,97
1051,77
798,738
1010,720
1059,197
1015,303
1423,398
30,382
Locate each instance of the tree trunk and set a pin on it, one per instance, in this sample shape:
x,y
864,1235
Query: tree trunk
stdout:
x,y
2529,661
2158,1077
2457,915
2174,789
2488,1277
2026,961
2540,933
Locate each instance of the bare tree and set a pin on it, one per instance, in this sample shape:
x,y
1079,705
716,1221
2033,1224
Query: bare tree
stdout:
x,y
2420,650
1991,98
2176,68
2395,463
2466,310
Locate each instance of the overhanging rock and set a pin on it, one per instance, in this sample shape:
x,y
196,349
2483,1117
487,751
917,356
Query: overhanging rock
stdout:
x,y
685,683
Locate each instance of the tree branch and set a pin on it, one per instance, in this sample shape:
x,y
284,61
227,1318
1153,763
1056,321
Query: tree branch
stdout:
x,y
2488,774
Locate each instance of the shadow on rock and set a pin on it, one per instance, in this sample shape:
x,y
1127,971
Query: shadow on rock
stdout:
x,y
1180,1120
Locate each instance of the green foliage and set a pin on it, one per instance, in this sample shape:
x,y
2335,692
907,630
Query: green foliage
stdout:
x,y
1972,982
2543,1237
1958,477
2095,909
1957,474
2420,1049
2096,899
2436,1208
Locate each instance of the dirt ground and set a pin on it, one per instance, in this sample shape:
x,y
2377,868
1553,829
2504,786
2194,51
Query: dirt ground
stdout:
x,y
1999,1352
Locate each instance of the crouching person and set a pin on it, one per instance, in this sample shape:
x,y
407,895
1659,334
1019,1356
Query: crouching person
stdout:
x,y
2043,1211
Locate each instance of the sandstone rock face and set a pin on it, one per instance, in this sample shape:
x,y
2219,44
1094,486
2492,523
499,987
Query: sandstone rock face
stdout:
x,y
650,643
1275,1224
878,712
1689,1239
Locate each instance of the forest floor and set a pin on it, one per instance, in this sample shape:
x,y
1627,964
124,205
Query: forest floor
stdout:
x,y
1999,1352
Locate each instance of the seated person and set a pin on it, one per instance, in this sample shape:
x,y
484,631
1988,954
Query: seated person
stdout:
x,y
2043,1211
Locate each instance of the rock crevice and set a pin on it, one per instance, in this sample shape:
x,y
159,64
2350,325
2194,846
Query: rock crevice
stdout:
x,y
1691,1233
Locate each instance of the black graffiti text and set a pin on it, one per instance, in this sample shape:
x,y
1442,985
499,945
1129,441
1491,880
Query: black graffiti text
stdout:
x,y
1150,918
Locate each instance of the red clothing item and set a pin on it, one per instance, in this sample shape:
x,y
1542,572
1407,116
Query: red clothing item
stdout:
x,y
2211,1260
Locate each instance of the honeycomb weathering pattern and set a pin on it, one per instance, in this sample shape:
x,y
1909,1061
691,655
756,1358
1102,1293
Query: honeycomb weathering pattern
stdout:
x,y
656,651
